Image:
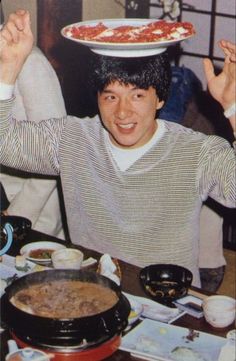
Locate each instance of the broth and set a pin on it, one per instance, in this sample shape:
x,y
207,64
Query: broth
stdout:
x,y
64,299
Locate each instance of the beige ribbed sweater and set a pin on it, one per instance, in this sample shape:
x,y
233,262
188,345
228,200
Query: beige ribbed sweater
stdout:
x,y
147,214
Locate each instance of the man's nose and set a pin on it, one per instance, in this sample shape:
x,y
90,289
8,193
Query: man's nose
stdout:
x,y
123,109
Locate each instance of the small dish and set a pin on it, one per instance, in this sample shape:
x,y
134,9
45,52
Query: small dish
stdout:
x,y
40,252
27,353
68,258
191,305
219,311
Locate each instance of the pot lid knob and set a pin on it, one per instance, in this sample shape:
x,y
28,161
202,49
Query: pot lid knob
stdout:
x,y
27,353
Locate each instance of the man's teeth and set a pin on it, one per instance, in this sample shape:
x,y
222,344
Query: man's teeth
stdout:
x,y
126,126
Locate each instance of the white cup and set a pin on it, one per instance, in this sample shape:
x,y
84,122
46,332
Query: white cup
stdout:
x,y
219,311
67,258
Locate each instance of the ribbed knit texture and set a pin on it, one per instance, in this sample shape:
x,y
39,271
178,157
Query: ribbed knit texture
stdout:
x,y
147,214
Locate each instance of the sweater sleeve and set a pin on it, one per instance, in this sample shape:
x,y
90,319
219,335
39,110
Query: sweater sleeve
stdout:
x,y
217,171
28,146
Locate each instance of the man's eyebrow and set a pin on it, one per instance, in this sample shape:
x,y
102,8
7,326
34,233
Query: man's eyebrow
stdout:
x,y
107,90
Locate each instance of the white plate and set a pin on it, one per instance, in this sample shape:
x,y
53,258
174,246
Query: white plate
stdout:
x,y
153,340
122,49
155,310
9,271
25,250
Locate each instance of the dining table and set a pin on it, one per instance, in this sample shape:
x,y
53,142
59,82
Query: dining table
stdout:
x,y
129,283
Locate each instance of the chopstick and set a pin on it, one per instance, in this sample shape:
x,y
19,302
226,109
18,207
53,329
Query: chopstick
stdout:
x,y
197,294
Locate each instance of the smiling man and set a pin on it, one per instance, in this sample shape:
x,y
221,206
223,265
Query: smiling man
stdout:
x,y
130,92
128,114
133,184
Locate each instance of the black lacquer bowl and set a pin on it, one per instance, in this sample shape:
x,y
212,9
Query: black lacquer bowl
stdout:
x,y
165,282
21,226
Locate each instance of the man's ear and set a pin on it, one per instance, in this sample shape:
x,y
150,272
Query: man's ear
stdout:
x,y
160,104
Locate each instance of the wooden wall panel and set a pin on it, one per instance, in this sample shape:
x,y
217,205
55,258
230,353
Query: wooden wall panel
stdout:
x,y
68,58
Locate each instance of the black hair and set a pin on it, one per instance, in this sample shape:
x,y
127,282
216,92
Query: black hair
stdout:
x,y
142,72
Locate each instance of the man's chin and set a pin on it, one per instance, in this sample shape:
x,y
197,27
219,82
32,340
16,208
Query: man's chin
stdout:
x,y
125,145
126,142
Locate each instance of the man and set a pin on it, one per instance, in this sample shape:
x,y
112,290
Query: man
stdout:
x,y
133,185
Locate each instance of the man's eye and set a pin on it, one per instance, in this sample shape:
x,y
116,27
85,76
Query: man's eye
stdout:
x,y
139,95
110,97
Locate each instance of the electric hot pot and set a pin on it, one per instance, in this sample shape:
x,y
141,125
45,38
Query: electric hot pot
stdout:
x,y
71,337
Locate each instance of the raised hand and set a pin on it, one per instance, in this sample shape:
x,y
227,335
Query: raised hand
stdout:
x,y
223,86
16,41
229,49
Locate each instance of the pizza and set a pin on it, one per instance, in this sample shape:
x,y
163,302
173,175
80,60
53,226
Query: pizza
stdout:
x,y
152,32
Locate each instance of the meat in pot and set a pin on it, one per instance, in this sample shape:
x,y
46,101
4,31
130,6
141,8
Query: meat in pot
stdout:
x,y
65,299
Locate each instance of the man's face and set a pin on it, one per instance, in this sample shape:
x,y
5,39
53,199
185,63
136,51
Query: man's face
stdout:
x,y
128,113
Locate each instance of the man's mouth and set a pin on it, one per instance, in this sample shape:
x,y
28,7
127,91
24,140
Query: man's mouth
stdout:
x,y
126,126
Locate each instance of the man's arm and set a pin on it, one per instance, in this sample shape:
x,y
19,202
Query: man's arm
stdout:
x,y
40,151
37,96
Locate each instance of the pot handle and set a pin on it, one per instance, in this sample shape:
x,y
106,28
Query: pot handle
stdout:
x,y
9,231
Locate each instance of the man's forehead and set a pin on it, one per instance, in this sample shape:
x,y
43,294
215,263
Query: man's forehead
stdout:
x,y
117,83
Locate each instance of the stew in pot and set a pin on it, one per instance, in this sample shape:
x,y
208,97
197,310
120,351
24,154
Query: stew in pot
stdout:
x,y
64,299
